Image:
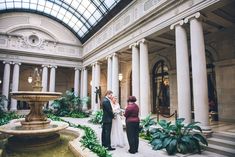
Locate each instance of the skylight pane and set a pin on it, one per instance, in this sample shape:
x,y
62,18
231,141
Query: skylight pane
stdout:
x,y
68,1
74,19
68,15
75,28
10,5
41,2
17,4
66,19
85,3
97,15
75,4
79,24
109,3
92,20
33,6
81,9
91,8
2,6
34,1
25,5
84,29
87,14
80,33
71,24
40,8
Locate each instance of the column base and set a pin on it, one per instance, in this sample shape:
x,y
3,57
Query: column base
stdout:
x,y
207,131
13,109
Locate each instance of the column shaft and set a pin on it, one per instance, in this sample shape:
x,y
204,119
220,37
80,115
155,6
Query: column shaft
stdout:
x,y
199,73
81,84
97,85
15,85
183,80
115,81
135,72
85,83
93,88
6,82
109,73
44,78
144,80
76,81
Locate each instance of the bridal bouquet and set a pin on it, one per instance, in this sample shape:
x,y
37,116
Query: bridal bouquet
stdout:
x,y
118,112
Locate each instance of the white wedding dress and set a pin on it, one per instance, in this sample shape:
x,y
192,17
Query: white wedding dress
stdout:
x,y
117,133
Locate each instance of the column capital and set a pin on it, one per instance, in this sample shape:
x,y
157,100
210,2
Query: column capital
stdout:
x,y
53,66
108,57
144,41
97,62
114,54
77,68
179,23
7,62
133,45
47,66
194,16
16,63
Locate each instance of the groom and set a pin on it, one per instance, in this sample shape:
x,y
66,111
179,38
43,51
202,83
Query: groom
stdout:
x,y
107,120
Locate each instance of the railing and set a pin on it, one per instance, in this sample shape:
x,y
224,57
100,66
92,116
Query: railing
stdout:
x,y
166,116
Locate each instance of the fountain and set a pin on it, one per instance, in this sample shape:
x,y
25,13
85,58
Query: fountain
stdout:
x,y
35,132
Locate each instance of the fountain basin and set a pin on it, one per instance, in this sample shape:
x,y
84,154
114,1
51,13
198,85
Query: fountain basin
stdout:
x,y
15,128
35,96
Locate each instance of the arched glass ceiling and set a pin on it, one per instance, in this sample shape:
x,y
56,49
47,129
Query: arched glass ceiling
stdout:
x,y
82,17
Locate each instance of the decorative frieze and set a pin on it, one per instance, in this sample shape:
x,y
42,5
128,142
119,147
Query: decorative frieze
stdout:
x,y
34,43
150,3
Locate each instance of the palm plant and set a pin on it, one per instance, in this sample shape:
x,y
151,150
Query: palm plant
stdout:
x,y
178,137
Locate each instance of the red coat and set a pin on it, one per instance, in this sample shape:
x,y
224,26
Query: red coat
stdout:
x,y
132,113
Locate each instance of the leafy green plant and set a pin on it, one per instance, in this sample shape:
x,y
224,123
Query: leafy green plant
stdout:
x,y
145,125
96,117
69,105
6,117
178,137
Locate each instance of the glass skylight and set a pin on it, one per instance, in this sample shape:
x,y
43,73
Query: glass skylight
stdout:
x,y
80,16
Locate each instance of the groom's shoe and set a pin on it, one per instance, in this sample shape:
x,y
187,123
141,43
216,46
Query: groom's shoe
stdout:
x,y
110,148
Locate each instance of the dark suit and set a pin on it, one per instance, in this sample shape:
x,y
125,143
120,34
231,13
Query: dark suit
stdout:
x,y
107,122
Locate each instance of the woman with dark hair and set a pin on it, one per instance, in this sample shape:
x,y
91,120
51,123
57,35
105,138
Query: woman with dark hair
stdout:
x,y
132,124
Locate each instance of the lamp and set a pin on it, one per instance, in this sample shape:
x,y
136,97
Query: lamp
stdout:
x,y
0,81
120,76
30,79
91,83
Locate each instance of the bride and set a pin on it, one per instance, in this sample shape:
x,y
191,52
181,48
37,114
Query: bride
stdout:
x,y
117,133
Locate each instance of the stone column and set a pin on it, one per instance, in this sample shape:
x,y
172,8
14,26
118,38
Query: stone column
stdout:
x,y
15,84
182,67
135,71
109,73
52,81
44,77
144,79
76,81
6,82
85,83
93,88
199,73
81,84
97,85
115,81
